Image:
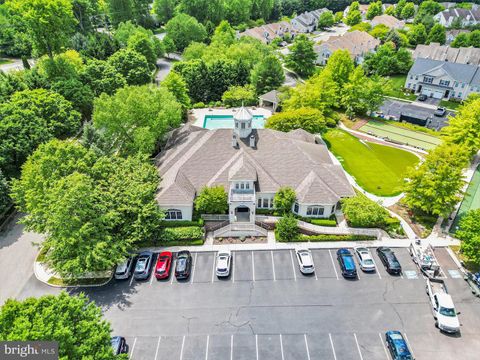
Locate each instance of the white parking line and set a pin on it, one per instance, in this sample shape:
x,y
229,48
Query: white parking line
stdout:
x,y
131,280
256,344
306,346
231,347
293,266
401,274
152,275
181,350
253,272
384,347
358,346
409,345
376,268
281,347
172,271
233,267
314,268
193,268
333,264
206,350
331,343
273,267
213,267
158,346
133,348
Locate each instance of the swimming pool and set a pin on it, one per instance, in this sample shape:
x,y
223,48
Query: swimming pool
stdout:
x,y
226,122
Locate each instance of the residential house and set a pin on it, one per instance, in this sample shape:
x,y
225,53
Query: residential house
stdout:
x,y
251,165
452,34
389,21
465,16
442,79
267,33
358,43
308,21
363,10
435,51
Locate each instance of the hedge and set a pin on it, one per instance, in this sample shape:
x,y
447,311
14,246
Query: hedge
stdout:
x,y
181,223
170,234
329,237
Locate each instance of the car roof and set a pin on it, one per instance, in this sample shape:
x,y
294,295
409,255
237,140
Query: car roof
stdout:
x,y
183,253
166,253
343,251
145,253
348,261
123,266
224,253
362,249
445,300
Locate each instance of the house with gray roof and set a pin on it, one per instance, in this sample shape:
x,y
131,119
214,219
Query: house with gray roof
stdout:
x,y
452,34
308,21
465,16
251,165
435,51
443,80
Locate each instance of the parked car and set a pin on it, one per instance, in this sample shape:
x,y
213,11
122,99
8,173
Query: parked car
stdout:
x,y
162,267
389,260
183,265
398,346
124,270
440,111
143,266
224,259
365,259
119,345
305,261
443,309
347,264
422,97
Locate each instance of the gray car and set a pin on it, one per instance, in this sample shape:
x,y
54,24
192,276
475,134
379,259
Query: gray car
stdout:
x,y
124,270
143,266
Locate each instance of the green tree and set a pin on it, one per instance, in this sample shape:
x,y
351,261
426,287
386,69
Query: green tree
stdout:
x,y
204,10
464,127
178,87
417,35
239,95
437,34
286,228
95,45
49,23
380,31
136,118
267,75
461,40
434,186
224,34
94,209
84,12
387,61
14,38
326,20
212,200
302,56
399,8
408,11
57,317
125,30
362,212
168,45
308,119
374,9
340,65
164,9
77,93
30,118
284,199
474,38
338,17
119,11
354,17
262,9
132,65
469,233
429,7
238,11
102,77
146,46
184,29
5,200
390,10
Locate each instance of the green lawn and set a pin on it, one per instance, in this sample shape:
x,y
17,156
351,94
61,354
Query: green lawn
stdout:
x,y
471,200
452,105
397,83
378,169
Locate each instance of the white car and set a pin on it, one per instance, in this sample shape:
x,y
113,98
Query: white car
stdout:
x,y
305,261
124,270
365,259
224,259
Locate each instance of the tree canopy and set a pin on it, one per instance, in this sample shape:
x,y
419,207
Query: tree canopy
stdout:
x,y
267,75
212,200
469,233
184,29
284,199
302,56
308,119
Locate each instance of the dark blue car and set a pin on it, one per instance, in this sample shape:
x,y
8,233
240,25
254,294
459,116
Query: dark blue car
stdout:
x,y
398,346
347,263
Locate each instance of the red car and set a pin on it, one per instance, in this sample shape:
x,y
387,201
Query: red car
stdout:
x,y
162,268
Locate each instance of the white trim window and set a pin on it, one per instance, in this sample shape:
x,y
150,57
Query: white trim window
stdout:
x,y
296,207
173,214
264,203
315,210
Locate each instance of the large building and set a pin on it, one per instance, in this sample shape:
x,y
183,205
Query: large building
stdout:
x,y
268,32
464,17
251,165
308,21
389,21
358,43
435,51
443,80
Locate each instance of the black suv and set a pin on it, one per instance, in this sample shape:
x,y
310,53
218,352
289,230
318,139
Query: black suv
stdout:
x,y
389,260
183,265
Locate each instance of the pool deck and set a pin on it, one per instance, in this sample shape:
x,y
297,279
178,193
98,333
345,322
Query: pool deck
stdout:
x,y
199,114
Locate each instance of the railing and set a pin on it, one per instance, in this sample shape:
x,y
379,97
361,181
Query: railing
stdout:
x,y
215,217
237,227
216,226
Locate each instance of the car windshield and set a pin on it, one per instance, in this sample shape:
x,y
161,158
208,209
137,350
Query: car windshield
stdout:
x,y
181,264
141,263
368,262
447,311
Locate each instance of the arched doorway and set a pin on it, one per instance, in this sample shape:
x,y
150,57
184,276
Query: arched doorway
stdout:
x,y
242,214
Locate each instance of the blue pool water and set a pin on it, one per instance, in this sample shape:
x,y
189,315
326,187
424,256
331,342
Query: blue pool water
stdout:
x,y
226,122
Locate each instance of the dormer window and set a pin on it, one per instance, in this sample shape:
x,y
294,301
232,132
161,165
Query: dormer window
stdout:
x,y
428,79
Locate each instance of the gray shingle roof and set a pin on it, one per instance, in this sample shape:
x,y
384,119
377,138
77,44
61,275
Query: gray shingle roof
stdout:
x,y
206,157
460,72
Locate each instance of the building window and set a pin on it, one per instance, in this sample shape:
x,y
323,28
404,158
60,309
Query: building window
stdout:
x,y
173,214
259,203
408,86
243,125
444,82
247,186
428,79
411,77
315,210
236,124
295,208
242,186
459,94
237,186
266,203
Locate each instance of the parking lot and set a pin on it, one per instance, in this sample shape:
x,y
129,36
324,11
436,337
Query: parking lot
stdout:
x,y
267,309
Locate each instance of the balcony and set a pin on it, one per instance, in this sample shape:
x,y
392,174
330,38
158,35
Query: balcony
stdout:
x,y
241,195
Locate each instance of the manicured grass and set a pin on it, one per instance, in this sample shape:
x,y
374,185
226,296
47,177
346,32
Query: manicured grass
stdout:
x,y
470,266
452,105
5,61
471,201
378,169
401,134
397,83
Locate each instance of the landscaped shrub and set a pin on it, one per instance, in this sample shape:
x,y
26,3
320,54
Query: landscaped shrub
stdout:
x,y
212,200
271,212
170,234
323,222
284,199
329,237
286,228
360,211
199,105
182,223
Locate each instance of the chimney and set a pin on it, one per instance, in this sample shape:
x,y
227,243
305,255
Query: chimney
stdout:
x,y
234,141
252,141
